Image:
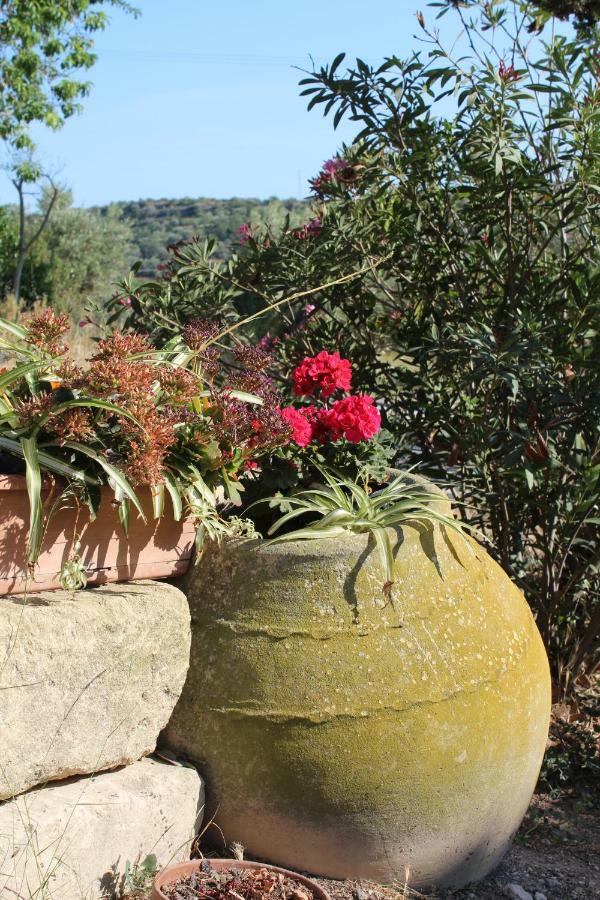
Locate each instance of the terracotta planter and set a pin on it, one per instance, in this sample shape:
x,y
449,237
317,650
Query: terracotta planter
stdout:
x,y
173,873
155,549
357,738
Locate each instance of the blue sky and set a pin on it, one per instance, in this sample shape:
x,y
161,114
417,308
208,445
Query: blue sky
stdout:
x,y
201,99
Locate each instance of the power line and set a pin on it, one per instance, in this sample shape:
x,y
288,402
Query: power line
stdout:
x,y
170,56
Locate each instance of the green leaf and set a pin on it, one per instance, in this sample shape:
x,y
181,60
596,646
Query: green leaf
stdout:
x,y
246,397
529,478
13,375
158,499
173,489
33,478
85,402
49,462
382,539
124,513
12,328
113,473
310,534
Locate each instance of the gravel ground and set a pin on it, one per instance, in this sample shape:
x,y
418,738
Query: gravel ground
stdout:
x,y
556,856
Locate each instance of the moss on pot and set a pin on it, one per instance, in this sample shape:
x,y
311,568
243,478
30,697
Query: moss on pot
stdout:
x,y
355,738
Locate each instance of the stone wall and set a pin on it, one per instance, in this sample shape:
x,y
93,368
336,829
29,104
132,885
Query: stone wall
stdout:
x,y
72,839
87,681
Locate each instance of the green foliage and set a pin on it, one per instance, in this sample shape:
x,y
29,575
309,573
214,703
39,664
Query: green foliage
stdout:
x,y
74,262
572,755
468,212
585,12
346,506
79,256
156,224
43,45
135,417
139,876
8,249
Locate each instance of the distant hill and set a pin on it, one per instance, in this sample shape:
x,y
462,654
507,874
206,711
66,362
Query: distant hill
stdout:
x,y
156,223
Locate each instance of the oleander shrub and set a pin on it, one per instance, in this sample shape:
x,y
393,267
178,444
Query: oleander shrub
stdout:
x,y
452,254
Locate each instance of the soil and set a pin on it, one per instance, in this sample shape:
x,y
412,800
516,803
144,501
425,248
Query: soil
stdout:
x,y
556,855
236,884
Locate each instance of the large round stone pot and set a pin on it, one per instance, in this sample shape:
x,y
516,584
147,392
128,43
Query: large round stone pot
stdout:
x,y
354,738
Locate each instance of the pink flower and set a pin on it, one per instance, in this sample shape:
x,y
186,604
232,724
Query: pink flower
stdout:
x,y
507,73
244,233
299,422
356,418
312,229
332,166
330,170
125,301
267,343
322,374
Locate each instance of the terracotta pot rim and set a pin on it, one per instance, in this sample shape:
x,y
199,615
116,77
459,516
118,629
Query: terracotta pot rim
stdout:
x,y
172,873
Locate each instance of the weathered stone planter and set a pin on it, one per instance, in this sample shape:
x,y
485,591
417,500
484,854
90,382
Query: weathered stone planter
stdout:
x,y
86,683
350,738
153,549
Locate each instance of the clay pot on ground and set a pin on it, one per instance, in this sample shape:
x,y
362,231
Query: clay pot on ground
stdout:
x,y
355,738
183,870
153,549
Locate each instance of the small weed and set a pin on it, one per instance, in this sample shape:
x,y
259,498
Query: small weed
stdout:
x,y
138,877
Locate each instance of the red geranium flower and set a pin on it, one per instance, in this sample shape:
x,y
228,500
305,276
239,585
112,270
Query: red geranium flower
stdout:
x,y
322,374
299,422
356,418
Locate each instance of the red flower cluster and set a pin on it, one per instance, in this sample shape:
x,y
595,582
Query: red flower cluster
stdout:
x,y
45,329
312,229
244,233
354,417
330,171
321,375
300,422
507,73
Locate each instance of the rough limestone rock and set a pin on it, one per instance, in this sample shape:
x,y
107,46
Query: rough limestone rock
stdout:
x,y
354,737
71,840
87,681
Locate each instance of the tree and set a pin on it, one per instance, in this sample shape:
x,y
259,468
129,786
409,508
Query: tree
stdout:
x,y
27,172
44,44
8,243
83,253
77,256
586,13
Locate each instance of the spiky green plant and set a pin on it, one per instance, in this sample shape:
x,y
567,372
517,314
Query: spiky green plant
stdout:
x,y
346,506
